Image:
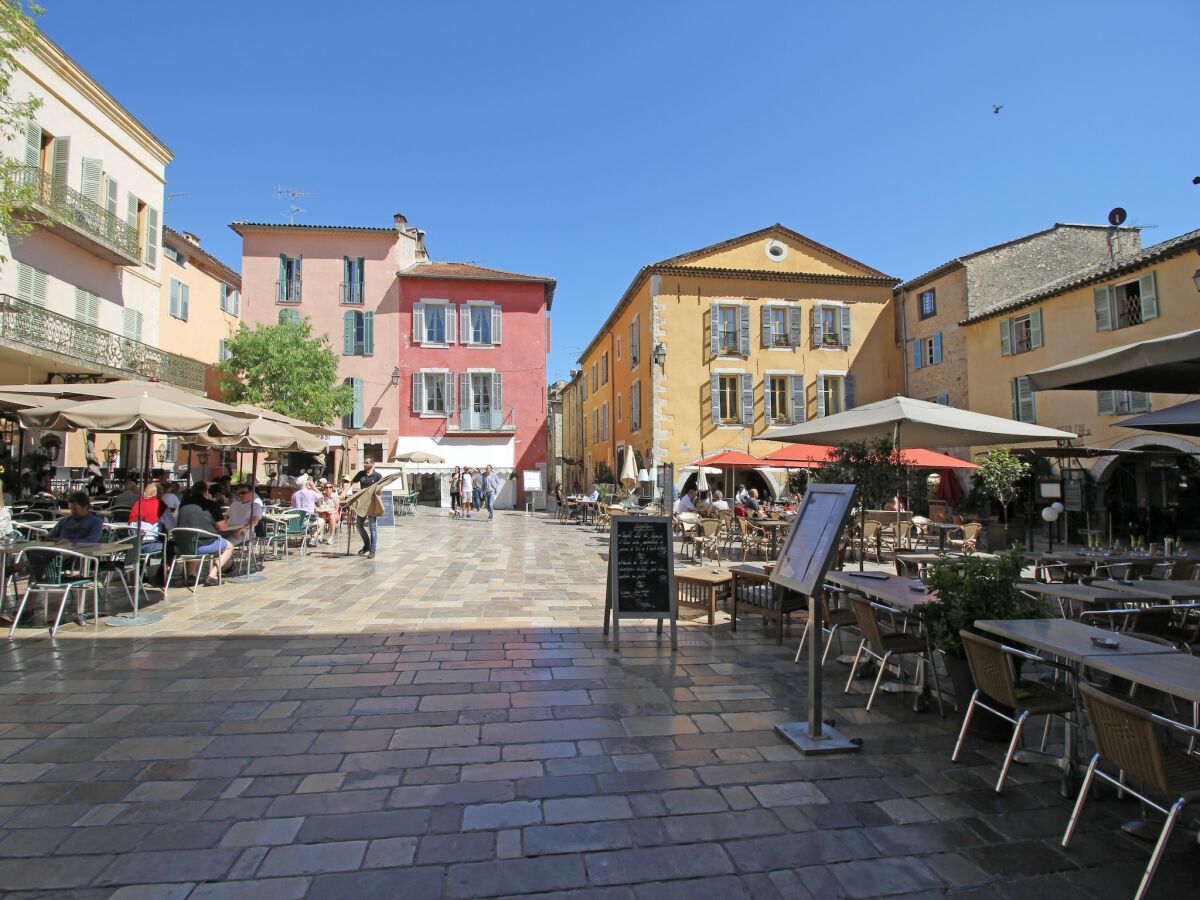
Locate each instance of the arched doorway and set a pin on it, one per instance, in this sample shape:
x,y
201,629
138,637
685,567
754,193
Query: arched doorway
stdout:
x,y
1154,493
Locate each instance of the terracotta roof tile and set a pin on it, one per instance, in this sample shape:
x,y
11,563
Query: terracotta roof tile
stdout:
x,y
432,269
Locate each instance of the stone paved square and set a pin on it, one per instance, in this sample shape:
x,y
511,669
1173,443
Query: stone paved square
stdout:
x,y
447,720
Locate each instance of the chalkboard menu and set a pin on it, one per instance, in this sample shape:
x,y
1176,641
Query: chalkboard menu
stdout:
x,y
641,573
389,510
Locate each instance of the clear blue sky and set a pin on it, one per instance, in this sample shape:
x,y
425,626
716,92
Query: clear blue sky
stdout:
x,y
583,141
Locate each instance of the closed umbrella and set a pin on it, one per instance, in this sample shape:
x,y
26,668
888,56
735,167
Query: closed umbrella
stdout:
x,y
629,471
702,479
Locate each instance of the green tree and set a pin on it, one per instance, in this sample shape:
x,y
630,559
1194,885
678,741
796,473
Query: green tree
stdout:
x,y
17,192
1001,474
285,368
875,466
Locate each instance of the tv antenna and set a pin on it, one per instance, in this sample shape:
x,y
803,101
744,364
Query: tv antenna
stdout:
x,y
179,194
293,194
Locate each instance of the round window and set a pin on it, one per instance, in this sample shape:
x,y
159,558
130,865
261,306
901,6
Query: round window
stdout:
x,y
776,251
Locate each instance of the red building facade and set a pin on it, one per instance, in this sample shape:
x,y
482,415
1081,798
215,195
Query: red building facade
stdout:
x,y
472,346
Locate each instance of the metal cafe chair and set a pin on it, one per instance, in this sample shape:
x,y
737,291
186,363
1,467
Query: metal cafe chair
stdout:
x,y
183,546
992,670
833,620
882,646
1132,740
54,569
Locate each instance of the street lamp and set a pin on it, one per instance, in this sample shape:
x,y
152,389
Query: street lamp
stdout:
x,y
659,355
202,457
110,453
1196,278
160,455
396,374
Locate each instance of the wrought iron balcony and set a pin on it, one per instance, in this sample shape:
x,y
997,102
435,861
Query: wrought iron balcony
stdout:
x,y
352,292
79,220
29,328
288,290
487,421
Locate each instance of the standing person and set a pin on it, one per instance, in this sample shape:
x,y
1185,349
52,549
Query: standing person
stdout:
x,y
306,498
455,494
491,487
477,480
368,526
466,488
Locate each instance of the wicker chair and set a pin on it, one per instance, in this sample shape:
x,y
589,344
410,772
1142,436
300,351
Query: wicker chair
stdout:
x,y
970,537
992,671
883,646
900,538
869,538
706,538
753,538
1130,738
728,528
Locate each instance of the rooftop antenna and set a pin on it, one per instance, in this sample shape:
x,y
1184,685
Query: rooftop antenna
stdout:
x,y
179,194
293,194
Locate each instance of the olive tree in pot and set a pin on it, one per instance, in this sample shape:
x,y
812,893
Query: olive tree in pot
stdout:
x,y
1000,474
968,589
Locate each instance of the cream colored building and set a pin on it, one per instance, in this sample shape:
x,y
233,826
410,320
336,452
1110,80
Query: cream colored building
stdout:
x,y
200,301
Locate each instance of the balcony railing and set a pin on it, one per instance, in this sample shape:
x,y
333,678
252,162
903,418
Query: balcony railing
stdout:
x,y
352,292
29,326
67,207
288,290
488,421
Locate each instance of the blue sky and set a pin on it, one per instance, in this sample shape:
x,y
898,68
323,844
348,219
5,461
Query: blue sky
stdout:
x,y
583,141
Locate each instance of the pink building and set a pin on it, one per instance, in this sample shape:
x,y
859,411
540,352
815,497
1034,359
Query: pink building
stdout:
x,y
343,279
473,344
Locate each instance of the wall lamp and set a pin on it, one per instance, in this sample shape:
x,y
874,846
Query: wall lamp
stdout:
x,y
1196,278
659,354
395,376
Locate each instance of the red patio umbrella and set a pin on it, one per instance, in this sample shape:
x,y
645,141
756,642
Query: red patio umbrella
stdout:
x,y
931,459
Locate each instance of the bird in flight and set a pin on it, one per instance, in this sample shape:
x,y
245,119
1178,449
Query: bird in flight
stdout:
x,y
996,107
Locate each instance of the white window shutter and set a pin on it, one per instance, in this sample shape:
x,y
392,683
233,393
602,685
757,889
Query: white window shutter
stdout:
x,y
449,391
497,391
418,318
152,237
184,292
1149,297
1102,299
236,303
24,282
497,323
111,191
93,179
464,396
714,383
418,392
464,318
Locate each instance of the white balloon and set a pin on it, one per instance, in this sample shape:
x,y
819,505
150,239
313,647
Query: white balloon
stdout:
x,y
1057,507
1050,514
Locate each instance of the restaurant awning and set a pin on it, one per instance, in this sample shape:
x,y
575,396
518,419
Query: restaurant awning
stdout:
x,y
817,454
1168,365
732,459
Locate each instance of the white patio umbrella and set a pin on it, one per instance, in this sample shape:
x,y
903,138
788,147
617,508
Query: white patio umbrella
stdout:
x,y
702,479
629,471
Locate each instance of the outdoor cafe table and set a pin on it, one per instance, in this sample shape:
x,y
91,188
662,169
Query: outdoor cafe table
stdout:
x,y
1160,591
97,551
1072,642
701,588
943,528
914,562
773,527
1078,593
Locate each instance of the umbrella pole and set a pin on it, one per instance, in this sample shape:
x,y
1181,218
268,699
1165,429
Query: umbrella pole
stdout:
x,y
896,450
250,575
137,620
20,456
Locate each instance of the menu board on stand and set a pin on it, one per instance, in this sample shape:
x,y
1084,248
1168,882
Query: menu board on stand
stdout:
x,y
641,574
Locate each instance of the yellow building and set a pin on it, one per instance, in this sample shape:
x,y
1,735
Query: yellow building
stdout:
x,y
708,350
1138,295
572,448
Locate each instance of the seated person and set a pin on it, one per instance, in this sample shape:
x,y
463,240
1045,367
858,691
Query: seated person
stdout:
x,y
741,495
719,503
752,502
82,526
146,514
196,512
595,494
128,496
306,498
245,512
169,502
687,503
329,509
896,504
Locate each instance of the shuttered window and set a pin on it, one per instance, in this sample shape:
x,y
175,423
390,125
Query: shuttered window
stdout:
x,y
635,406
1023,407
177,305
1020,334
433,392
727,398
729,329
231,300
131,324
604,368
222,350
604,421
1122,403
358,333
831,326
87,306
354,418
927,351
433,323
835,394
152,237
352,279
635,345
1126,305
31,284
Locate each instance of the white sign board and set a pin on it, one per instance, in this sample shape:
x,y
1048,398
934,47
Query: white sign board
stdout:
x,y
531,480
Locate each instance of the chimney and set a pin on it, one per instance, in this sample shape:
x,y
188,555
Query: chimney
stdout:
x,y
422,253
191,238
401,222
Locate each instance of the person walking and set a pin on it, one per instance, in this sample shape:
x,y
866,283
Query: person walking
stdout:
x,y
455,492
477,481
491,487
368,526
466,488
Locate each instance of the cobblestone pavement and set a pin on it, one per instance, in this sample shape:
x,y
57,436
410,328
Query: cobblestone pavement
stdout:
x,y
447,721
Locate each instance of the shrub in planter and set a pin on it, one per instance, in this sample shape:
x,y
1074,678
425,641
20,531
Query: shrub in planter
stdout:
x,y
972,588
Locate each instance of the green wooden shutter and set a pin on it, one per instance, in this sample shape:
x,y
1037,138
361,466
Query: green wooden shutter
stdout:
x,y
1035,329
418,392
795,326
818,327
820,396
86,310
1101,299
132,324
152,237
281,283
358,403
93,179
937,348
714,384
235,301
368,334
767,399
765,325
1106,403
347,293
224,290
797,398
1149,297
173,302
348,329
845,323
1139,402
110,196
62,160
24,282
33,144
714,324
1027,408
131,210
1006,337
849,392
39,287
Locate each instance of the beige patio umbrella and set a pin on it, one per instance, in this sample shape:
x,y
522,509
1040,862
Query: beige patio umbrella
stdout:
x,y
418,456
262,434
629,472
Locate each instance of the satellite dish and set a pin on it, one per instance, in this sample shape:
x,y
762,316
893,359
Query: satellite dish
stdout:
x,y
1116,217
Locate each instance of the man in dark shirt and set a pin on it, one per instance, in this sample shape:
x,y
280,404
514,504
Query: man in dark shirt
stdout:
x,y
368,526
82,526
197,512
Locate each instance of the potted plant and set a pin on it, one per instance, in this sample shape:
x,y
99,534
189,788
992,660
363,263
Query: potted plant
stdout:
x,y
968,589
1000,475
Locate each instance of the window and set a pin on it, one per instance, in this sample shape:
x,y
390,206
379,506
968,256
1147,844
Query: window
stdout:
x,y
480,400
354,418
433,393
835,393
222,351
604,421
595,425
778,398
635,406
618,346
177,306
604,368
732,398
1121,403
618,407
928,304
727,332
31,284
131,324
231,300
635,343
291,278
729,391
1128,304
831,326
1020,334
291,316
433,323
595,377
173,255
352,279
775,327
927,351
358,333
481,324
1023,408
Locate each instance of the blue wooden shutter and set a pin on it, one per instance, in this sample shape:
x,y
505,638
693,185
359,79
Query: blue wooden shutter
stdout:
x,y
747,398
943,399
714,383
743,329
845,314
358,403
1103,303
348,329
820,396
818,327
767,399
281,292
418,392
1035,329
916,353
347,291
368,334
1106,403
795,326
849,392
1006,337
797,398
765,312
937,347
1149,297
714,325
